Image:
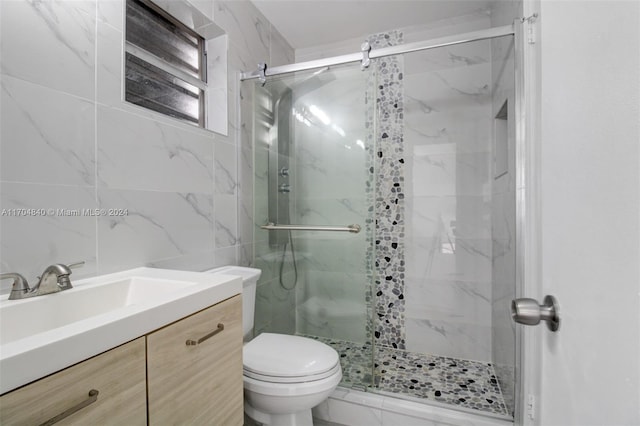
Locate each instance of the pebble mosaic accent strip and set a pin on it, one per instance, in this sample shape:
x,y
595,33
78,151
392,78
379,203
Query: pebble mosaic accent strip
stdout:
x,y
389,327
463,383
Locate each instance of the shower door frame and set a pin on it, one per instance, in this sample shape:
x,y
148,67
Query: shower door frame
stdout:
x,y
367,53
528,217
528,266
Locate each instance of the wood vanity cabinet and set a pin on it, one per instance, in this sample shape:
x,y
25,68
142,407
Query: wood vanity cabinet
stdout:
x,y
189,372
200,381
118,375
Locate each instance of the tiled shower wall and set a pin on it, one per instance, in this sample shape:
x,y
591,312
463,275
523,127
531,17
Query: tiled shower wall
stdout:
x,y
69,142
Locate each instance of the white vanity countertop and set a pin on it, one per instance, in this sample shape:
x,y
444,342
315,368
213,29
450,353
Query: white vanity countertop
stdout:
x,y
44,334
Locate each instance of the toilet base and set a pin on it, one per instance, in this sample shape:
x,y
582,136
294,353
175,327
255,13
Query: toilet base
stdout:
x,y
300,418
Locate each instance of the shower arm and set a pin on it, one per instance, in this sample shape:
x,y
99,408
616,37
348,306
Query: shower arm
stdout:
x,y
355,228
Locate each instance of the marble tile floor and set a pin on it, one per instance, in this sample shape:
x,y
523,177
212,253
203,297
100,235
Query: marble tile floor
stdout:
x,y
463,383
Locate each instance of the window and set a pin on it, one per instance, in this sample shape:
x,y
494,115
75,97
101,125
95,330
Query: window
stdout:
x,y
165,63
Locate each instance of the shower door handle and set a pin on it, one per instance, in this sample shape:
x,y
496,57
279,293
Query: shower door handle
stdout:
x,y
529,312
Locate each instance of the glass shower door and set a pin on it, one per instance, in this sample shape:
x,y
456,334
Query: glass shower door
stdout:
x,y
313,159
419,151
449,337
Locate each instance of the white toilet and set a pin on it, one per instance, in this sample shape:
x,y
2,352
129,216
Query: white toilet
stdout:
x,y
284,376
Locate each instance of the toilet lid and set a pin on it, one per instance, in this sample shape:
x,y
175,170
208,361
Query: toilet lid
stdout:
x,y
282,355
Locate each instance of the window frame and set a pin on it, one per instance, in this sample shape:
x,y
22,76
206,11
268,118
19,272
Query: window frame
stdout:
x,y
199,82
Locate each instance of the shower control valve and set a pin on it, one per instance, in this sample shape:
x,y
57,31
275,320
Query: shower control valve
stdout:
x,y
284,188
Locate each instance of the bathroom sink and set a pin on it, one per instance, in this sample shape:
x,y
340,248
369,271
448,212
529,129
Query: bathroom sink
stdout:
x,y
43,313
43,334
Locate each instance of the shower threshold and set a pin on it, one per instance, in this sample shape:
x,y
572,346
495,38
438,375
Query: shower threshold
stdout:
x,y
460,383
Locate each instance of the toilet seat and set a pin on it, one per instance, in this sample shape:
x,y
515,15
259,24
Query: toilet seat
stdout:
x,y
292,389
291,379
281,358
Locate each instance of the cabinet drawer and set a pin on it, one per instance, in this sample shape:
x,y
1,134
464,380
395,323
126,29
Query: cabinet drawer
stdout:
x,y
118,375
198,383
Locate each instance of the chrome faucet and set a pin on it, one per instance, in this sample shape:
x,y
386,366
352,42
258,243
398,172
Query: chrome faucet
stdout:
x,y
55,278
19,287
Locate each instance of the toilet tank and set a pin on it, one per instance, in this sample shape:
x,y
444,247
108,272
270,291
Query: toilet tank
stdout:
x,y
249,283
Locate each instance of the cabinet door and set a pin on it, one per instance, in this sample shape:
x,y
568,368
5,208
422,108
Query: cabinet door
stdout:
x,y
198,383
118,375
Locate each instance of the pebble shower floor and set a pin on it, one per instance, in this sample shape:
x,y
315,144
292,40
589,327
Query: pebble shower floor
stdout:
x,y
463,383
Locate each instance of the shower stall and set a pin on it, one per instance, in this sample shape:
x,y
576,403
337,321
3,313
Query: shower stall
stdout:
x,y
385,211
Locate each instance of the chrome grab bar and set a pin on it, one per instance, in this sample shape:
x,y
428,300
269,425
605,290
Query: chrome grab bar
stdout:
x,y
355,228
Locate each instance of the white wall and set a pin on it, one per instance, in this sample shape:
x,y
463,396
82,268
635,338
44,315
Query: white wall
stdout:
x,y
590,138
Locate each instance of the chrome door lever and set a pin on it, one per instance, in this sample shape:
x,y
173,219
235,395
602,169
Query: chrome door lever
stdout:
x,y
529,312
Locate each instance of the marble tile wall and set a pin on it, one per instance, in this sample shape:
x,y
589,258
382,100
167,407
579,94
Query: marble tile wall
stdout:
x,y
67,141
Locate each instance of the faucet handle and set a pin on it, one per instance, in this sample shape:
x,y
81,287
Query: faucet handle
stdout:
x,y
20,285
76,265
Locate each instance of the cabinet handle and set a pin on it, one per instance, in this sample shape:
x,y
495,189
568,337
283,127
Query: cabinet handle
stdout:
x,y
202,339
93,397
